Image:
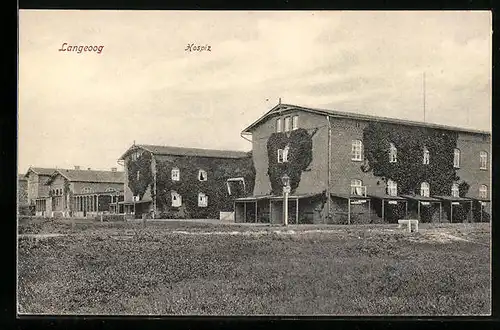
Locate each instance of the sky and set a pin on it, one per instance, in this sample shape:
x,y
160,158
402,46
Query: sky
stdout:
x,y
86,109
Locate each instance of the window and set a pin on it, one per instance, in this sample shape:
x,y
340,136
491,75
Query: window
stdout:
x,y
279,128
392,188
357,187
456,158
138,174
280,155
176,199
176,174
135,155
202,200
287,124
110,189
356,150
426,156
285,154
393,153
424,189
455,192
295,122
483,157
87,190
202,175
483,191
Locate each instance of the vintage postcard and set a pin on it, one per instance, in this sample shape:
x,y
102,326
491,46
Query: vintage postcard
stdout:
x,y
254,163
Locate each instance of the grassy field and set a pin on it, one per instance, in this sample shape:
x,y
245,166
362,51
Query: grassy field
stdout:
x,y
201,268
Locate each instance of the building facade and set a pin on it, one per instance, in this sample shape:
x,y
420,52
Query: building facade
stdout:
x,y
352,168
76,192
38,190
173,182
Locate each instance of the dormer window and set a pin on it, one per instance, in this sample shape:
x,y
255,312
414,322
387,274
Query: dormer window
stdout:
x,y
287,124
295,122
176,174
202,175
279,128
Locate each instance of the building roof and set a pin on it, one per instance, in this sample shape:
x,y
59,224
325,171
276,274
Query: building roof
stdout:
x,y
21,177
90,176
422,198
41,170
181,151
350,115
453,199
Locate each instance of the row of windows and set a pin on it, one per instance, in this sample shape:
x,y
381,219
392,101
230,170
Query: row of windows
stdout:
x,y
357,155
57,192
291,123
177,199
357,188
88,190
176,175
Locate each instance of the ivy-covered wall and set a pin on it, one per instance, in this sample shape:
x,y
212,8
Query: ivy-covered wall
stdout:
x,y
409,171
300,156
140,174
218,171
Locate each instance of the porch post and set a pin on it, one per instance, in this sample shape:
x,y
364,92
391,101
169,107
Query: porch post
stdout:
x,y
369,210
451,212
406,209
245,211
234,209
481,210
297,211
470,213
440,212
348,210
270,213
383,206
418,210
256,220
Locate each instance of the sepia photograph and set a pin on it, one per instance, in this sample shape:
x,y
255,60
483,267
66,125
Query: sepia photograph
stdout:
x,y
254,163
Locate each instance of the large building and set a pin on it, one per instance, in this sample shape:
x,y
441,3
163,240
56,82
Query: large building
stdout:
x,y
173,182
353,168
74,192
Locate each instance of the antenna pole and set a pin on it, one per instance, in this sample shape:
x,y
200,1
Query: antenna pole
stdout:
x,y
424,94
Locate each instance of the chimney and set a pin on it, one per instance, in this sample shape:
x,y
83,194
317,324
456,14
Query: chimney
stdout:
x,y
77,167
113,169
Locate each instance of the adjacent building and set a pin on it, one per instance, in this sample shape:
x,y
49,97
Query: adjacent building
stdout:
x,y
353,168
74,192
174,182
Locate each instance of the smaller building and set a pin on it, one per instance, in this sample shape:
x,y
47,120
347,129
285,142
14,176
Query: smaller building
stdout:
x,y
189,183
76,192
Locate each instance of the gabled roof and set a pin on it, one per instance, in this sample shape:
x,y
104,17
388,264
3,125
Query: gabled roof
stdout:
x,y
350,115
90,176
41,171
180,151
